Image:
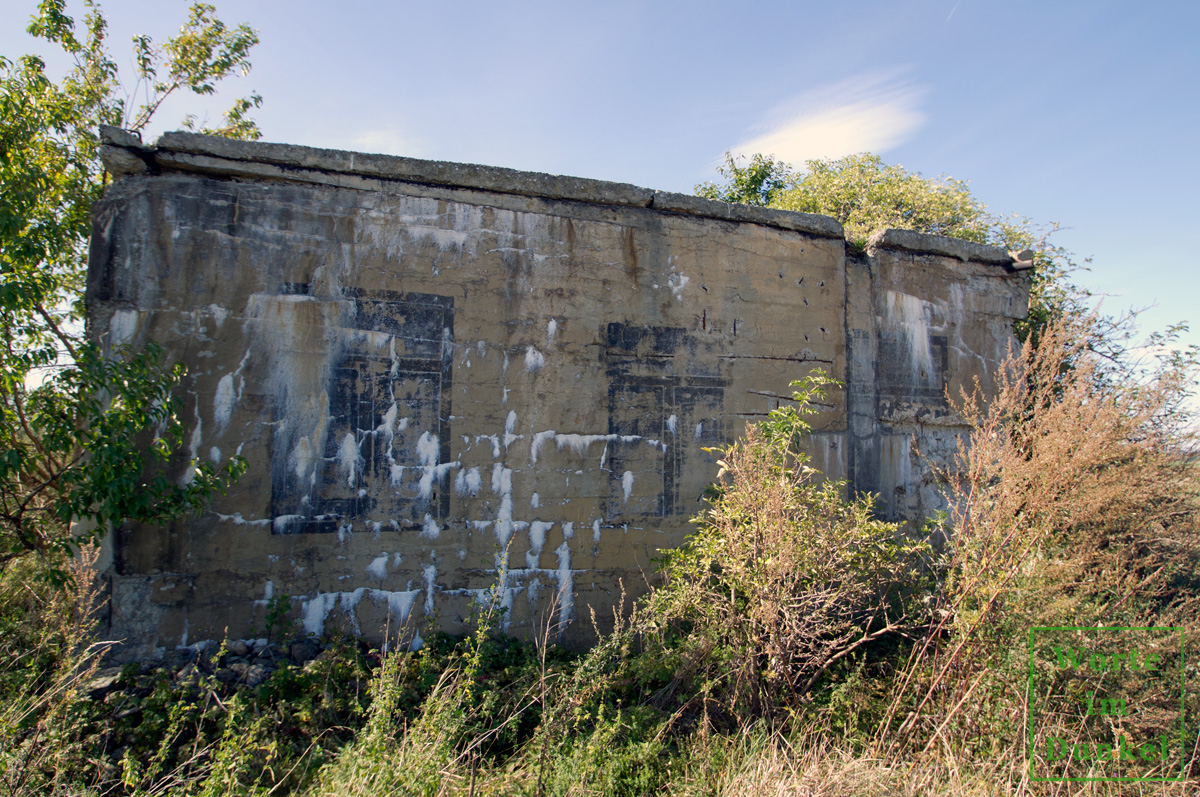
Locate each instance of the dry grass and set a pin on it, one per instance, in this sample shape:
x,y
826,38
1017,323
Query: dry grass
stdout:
x,y
50,654
816,766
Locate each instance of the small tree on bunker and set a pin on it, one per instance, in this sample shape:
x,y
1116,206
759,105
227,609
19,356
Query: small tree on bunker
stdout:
x,y
84,436
760,182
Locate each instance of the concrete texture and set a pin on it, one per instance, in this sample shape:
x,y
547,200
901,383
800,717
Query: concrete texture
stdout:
x,y
448,378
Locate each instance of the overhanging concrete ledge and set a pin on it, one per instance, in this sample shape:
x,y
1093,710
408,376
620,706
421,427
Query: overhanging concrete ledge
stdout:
x,y
923,243
178,151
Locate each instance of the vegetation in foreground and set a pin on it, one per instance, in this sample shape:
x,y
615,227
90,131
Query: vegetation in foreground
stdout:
x,y
797,645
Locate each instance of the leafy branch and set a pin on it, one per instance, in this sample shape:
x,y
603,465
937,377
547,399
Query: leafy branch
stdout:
x,y
88,437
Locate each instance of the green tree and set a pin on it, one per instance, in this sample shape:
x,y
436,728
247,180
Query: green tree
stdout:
x,y
86,436
865,195
760,182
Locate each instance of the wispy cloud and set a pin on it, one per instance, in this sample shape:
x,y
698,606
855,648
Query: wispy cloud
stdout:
x,y
866,113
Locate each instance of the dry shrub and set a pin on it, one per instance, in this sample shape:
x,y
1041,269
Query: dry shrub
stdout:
x,y
783,579
1083,480
1074,504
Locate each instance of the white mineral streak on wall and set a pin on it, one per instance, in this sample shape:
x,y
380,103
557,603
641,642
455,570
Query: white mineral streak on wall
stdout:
x,y
535,501
537,539
223,402
454,230
281,522
627,484
566,585
399,603
348,459
237,520
533,586
699,430
536,445
494,440
534,360
378,567
504,380
428,449
677,282
372,338
430,530
386,430
507,595
910,315
315,611
502,486
218,313
510,423
268,594
123,325
672,423
430,571
468,482
551,330
578,443
214,454
596,530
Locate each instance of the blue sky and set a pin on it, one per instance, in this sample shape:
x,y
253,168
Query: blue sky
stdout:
x,y
1081,113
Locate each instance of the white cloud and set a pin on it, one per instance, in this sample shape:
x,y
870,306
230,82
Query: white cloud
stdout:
x,y
866,113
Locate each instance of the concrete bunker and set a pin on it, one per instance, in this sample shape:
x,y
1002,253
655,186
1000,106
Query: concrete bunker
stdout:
x,y
441,372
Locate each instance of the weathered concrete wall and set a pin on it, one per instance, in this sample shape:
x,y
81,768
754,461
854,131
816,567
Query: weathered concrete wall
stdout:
x,y
438,372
